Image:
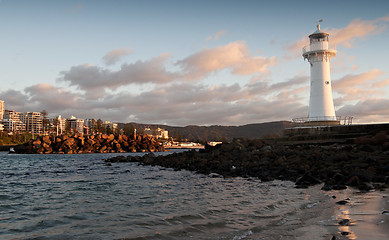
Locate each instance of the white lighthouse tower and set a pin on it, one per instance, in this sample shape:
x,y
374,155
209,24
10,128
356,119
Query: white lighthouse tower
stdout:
x,y
321,105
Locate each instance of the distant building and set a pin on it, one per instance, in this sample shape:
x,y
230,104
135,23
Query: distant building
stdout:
x,y
157,133
33,121
90,123
13,121
60,124
110,126
1,109
76,124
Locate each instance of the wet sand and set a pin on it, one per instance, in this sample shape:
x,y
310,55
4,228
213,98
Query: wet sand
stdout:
x,y
321,219
363,210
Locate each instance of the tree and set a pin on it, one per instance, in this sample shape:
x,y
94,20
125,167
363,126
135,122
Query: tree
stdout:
x,y
45,120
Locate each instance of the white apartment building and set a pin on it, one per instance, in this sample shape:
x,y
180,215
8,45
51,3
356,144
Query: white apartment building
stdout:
x,y
158,133
76,124
13,121
1,109
61,124
34,122
112,126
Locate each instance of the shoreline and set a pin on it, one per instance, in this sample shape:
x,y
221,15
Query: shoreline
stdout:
x,y
321,219
365,214
364,210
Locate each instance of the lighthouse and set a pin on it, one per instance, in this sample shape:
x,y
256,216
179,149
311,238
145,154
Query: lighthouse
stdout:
x,y
318,54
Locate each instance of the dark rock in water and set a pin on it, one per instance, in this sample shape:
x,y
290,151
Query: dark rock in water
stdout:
x,y
334,238
365,187
339,178
342,202
344,222
215,175
385,212
339,187
353,181
326,187
345,233
307,180
337,166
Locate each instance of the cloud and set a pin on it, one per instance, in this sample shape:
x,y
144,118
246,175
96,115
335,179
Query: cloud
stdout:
x,y
216,36
15,100
291,85
369,110
234,56
41,96
53,98
176,103
357,29
360,86
95,80
115,55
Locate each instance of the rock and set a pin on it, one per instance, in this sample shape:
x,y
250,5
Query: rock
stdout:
x,y
344,222
365,187
353,181
337,166
215,175
339,187
89,144
342,202
326,187
308,180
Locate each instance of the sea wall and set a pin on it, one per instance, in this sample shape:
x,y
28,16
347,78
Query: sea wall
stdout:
x,y
334,132
100,143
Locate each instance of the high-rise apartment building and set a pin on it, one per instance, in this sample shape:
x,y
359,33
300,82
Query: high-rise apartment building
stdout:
x,y
13,121
1,109
60,124
76,124
33,121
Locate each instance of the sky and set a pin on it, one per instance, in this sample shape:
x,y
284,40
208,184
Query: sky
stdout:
x,y
190,62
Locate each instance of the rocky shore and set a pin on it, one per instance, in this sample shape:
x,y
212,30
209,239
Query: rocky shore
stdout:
x,y
100,143
363,164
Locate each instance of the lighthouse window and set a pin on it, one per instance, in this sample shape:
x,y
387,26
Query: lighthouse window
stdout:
x,y
327,82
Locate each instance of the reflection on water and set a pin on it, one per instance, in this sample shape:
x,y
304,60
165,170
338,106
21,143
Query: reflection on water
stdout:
x,y
364,212
345,229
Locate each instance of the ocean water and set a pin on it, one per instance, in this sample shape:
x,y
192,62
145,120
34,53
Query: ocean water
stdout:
x,y
81,197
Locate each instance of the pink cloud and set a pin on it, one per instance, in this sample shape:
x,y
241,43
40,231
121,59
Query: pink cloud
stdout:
x,y
360,86
234,56
357,29
115,55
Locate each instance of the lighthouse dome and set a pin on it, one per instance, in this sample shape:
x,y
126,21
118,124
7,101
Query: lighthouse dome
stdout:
x,y
318,34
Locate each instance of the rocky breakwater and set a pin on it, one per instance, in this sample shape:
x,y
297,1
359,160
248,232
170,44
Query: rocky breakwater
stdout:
x,y
100,143
363,165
